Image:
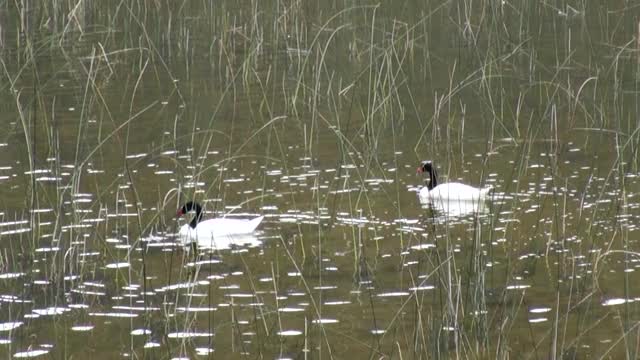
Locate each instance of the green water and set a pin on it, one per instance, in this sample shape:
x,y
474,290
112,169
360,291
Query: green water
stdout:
x,y
316,115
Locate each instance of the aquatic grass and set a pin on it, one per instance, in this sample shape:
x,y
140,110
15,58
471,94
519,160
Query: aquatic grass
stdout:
x,y
277,71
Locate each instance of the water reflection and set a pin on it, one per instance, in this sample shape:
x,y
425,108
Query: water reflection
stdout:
x,y
457,208
226,242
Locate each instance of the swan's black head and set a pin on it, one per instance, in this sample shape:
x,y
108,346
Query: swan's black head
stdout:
x,y
191,206
427,167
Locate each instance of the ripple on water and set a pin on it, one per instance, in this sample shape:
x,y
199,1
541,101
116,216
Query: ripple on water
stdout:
x,y
81,290
8,326
188,334
12,299
325,287
202,351
195,309
30,353
11,275
47,249
422,287
615,301
393,294
518,287
81,328
423,246
37,171
136,308
537,320
16,231
177,286
78,306
239,295
11,223
539,310
203,262
138,332
113,314
119,265
50,311
290,309
233,180
290,333
337,302
41,211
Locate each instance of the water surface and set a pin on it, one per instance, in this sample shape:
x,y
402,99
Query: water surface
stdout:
x,y
316,116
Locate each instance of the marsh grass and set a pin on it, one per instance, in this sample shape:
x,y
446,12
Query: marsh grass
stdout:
x,y
339,102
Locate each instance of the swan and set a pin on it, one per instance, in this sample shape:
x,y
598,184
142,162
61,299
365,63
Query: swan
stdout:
x,y
203,231
448,192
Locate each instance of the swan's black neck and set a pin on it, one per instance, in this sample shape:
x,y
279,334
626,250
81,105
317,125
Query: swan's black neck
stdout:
x,y
433,179
192,205
427,167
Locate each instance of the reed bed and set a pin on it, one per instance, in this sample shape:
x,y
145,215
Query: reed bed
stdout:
x,y
315,115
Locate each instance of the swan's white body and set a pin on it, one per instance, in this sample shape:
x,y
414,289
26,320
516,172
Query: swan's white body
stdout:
x,y
453,191
208,230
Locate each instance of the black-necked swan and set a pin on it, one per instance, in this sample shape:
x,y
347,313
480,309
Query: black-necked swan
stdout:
x,y
452,191
198,230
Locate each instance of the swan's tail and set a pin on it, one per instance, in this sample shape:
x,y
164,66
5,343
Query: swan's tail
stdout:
x,y
487,191
253,223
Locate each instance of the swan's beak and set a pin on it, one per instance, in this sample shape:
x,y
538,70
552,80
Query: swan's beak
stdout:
x,y
419,170
179,213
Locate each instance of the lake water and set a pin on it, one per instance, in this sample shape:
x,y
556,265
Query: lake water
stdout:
x,y
316,115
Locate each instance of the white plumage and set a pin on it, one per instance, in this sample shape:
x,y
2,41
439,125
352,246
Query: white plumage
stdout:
x,y
207,230
453,191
